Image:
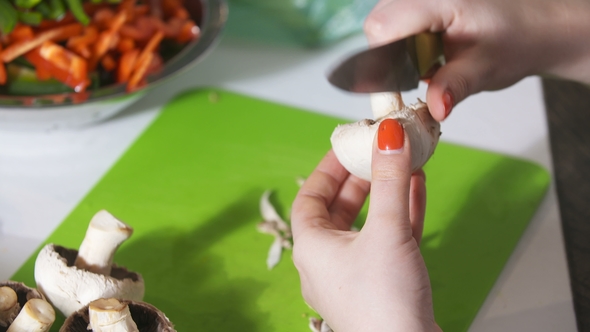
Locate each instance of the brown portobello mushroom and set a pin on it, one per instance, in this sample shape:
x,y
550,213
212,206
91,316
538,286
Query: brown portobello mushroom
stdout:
x,y
132,316
23,308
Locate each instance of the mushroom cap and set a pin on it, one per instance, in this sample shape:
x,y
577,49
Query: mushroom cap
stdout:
x,y
23,293
147,317
353,142
69,288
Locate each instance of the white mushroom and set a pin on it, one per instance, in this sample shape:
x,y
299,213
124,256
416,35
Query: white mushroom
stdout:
x,y
110,315
353,143
71,279
37,315
116,315
9,305
13,297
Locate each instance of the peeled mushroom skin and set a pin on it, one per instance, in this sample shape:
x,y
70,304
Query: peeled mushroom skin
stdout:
x,y
147,317
69,288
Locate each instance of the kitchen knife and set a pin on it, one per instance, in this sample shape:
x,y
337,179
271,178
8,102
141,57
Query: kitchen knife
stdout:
x,y
397,66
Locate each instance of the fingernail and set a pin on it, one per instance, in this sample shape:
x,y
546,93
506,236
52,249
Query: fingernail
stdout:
x,y
447,103
390,136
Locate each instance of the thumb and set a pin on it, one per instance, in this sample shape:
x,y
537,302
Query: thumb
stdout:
x,y
453,82
390,183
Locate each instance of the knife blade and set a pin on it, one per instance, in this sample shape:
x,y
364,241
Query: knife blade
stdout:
x,y
397,66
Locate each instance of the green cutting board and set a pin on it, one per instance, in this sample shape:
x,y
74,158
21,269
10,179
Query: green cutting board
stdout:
x,y
190,187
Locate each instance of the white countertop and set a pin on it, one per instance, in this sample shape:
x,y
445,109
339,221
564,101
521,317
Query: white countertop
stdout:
x,y
43,175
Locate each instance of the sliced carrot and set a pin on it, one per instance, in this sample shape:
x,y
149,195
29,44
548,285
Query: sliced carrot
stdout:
x,y
169,7
3,77
126,65
156,8
82,50
125,44
172,27
139,72
102,17
150,47
117,22
189,31
21,32
182,13
141,9
108,63
89,36
132,32
57,34
127,7
107,39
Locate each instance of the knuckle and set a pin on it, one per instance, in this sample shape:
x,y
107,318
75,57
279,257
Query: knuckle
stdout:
x,y
389,174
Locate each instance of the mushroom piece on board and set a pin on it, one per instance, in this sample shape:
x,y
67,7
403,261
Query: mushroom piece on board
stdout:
x,y
70,279
146,317
37,315
8,308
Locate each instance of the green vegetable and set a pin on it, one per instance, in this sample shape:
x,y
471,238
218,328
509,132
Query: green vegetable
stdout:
x,y
36,88
44,9
8,17
78,11
23,81
30,17
57,9
26,4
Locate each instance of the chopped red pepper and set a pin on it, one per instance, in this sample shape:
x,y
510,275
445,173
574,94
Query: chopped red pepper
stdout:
x,y
57,34
62,64
2,71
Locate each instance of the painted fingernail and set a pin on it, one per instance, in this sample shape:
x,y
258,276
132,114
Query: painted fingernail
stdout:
x,y
390,137
447,103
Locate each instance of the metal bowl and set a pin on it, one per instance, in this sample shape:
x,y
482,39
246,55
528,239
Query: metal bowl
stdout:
x,y
75,110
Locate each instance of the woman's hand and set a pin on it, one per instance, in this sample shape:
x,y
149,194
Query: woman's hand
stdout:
x,y
490,45
375,279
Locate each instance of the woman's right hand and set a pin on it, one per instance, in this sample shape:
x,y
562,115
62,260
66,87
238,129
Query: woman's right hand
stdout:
x,y
490,45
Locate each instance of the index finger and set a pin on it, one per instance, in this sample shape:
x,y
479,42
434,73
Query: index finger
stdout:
x,y
320,189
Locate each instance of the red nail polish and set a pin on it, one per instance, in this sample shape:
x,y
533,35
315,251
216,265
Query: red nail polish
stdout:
x,y
390,135
447,103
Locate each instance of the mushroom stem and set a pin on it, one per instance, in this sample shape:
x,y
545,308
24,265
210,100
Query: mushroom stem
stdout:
x,y
8,305
110,315
37,315
104,235
385,102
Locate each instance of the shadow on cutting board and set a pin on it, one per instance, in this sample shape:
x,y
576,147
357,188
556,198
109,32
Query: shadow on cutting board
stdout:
x,y
188,280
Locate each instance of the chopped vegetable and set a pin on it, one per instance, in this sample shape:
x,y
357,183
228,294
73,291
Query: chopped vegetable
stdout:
x,y
62,64
8,17
57,34
69,41
30,17
78,11
26,4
